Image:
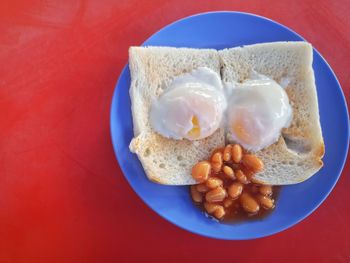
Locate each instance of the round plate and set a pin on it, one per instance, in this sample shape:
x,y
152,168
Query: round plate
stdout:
x,y
224,30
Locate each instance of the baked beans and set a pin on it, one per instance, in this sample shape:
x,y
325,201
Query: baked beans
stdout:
x,y
227,188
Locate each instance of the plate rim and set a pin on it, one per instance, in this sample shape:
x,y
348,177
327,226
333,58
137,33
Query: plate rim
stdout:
x,y
114,105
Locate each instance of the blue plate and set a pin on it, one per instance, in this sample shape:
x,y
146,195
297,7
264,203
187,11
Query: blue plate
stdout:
x,y
222,30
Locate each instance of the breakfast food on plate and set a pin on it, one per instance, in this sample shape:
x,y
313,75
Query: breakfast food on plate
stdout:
x,y
188,102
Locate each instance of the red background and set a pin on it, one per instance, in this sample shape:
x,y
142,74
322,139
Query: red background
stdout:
x,y
63,197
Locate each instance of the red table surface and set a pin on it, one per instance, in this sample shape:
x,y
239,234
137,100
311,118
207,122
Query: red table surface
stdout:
x,y
63,197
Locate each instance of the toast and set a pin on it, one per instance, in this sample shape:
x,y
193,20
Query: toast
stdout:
x,y
166,161
298,153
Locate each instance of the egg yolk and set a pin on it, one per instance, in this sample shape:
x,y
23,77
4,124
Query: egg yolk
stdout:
x,y
196,129
242,127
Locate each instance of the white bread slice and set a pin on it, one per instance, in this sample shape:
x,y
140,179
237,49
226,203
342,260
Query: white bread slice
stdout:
x,y
166,161
298,153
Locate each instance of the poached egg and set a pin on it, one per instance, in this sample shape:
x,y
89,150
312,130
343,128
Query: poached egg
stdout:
x,y
258,110
191,107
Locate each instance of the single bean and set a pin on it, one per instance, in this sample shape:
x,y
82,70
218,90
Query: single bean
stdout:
x,y
201,171
236,153
202,188
248,203
253,162
266,190
266,202
228,171
196,196
235,190
241,177
219,213
216,162
213,182
227,153
216,195
210,208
